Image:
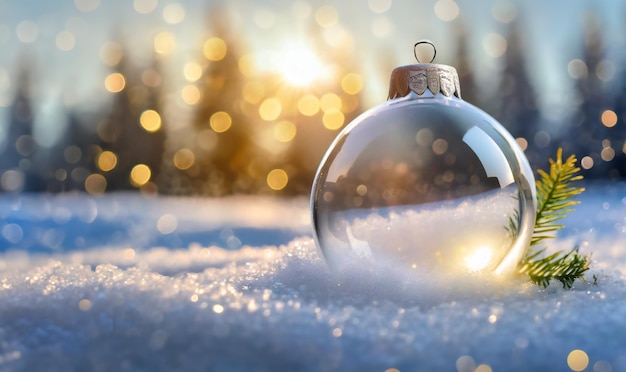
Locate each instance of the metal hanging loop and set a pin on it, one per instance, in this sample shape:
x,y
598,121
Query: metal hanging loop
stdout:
x,y
424,42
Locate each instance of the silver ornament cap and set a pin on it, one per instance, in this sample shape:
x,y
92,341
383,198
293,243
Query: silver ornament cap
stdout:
x,y
424,79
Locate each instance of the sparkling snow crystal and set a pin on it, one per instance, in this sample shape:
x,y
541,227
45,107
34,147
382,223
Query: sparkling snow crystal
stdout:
x,y
144,297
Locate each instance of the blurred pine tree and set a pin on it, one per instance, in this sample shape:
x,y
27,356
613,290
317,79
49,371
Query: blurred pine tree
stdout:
x,y
134,131
18,169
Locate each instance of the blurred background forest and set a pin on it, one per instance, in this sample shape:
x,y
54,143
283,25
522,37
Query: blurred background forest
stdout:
x,y
217,98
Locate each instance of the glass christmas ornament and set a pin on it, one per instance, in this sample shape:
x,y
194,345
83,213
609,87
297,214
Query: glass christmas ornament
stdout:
x,y
426,182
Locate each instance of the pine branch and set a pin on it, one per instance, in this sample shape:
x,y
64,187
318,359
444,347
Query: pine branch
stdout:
x,y
554,201
563,267
554,196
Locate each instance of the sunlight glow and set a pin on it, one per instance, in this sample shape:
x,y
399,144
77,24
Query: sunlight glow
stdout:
x,y
479,259
301,67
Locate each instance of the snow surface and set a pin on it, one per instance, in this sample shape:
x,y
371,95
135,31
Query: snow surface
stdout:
x,y
126,282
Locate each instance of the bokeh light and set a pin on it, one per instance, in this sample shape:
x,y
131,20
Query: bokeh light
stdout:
x,y
167,223
577,360
192,71
190,94
215,49
382,27
87,5
270,109
605,70
379,6
495,45
586,162
247,65
504,11
609,118
285,131
84,304
111,53
150,120
447,10
326,16
164,43
577,68
65,41
12,180
253,92
352,83
27,31
220,122
184,159
308,105
95,184
145,6
333,119
115,82
607,153
330,102
140,175
174,13
277,179
72,154
107,160
522,142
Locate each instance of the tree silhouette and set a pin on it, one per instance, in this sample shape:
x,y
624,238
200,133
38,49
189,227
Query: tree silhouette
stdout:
x,y
618,132
223,149
72,160
123,133
588,132
518,103
18,172
464,68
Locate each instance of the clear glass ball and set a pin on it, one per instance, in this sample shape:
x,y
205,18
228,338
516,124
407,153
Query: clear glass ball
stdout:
x,y
431,184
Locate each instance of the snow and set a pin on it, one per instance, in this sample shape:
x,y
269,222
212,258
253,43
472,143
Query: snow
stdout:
x,y
418,237
127,282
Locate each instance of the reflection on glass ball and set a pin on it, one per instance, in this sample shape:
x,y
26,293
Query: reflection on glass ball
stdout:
x,y
427,183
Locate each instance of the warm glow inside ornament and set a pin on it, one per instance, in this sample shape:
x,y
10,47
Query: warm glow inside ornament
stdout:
x,y
425,182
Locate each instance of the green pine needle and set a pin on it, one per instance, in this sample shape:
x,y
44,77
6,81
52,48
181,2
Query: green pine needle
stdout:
x,y
555,195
